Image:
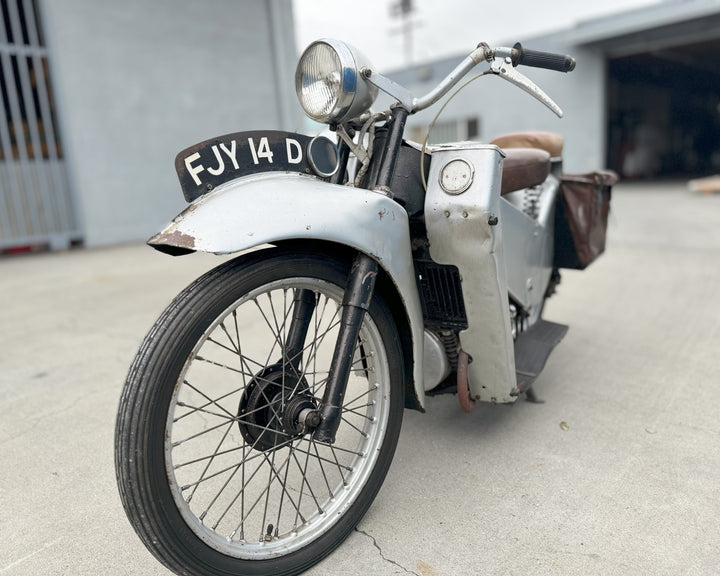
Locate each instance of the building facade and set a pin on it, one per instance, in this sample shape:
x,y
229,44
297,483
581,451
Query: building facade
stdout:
x,y
642,100
99,96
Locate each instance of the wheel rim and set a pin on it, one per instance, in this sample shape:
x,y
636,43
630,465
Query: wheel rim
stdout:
x,y
273,496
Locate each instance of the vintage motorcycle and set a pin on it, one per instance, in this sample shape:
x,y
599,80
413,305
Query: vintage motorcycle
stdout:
x,y
262,411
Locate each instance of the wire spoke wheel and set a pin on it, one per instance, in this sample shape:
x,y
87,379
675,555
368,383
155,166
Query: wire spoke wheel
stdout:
x,y
218,471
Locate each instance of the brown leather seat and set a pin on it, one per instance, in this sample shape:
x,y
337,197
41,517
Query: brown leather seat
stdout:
x,y
524,167
551,142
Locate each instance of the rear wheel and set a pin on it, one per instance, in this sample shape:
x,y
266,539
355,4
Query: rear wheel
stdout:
x,y
216,469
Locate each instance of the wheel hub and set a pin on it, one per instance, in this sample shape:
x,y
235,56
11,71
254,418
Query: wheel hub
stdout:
x,y
270,409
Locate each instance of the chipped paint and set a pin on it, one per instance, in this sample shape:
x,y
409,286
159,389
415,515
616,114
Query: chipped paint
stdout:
x,y
175,238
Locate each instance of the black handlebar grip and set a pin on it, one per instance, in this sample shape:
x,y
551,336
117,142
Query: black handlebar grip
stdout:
x,y
547,60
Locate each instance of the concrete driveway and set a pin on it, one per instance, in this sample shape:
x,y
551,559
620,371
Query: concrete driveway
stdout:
x,y
618,472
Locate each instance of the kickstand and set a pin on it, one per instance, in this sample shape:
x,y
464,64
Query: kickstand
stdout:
x,y
530,396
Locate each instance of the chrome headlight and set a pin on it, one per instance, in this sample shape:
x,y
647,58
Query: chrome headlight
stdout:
x,y
328,82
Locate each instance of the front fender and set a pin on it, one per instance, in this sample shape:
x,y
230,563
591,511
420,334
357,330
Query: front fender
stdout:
x,y
271,207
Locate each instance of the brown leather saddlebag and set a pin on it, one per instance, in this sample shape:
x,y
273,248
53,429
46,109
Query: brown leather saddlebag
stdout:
x,y
581,217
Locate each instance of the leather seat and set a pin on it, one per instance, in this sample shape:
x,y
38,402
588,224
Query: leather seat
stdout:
x,y
524,167
551,142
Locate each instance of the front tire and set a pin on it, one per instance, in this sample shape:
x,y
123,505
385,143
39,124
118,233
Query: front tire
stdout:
x,y
213,477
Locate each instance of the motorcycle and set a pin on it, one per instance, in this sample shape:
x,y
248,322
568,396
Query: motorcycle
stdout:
x,y
262,410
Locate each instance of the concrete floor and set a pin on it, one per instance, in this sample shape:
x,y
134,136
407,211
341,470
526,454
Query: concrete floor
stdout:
x,y
618,472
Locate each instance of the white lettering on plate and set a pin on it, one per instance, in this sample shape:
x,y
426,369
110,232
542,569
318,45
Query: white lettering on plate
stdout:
x,y
262,151
194,170
221,163
230,153
291,144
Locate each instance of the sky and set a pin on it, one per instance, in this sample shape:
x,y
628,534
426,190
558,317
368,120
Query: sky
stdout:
x,y
441,27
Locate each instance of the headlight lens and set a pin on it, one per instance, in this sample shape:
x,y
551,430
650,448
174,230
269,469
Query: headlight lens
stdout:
x,y
319,80
328,83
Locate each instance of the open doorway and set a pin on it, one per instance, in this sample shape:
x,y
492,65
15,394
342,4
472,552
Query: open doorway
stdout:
x,y
664,112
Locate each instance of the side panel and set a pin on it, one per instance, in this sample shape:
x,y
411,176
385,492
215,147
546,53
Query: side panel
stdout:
x,y
529,246
266,208
466,230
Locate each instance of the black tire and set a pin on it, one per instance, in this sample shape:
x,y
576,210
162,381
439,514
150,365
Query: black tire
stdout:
x,y
205,494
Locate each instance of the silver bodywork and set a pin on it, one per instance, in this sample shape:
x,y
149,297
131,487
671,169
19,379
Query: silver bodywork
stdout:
x,y
461,232
529,245
270,207
499,251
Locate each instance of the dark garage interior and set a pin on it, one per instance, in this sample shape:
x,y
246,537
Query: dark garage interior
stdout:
x,y
664,112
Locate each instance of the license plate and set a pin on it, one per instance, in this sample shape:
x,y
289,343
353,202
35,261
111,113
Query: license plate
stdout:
x,y
206,165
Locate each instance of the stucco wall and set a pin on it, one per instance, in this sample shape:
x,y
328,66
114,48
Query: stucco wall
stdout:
x,y
135,82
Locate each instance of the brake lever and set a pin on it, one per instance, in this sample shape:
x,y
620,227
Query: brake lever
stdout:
x,y
503,67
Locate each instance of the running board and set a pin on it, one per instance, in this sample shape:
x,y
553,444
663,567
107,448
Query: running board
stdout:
x,y
532,349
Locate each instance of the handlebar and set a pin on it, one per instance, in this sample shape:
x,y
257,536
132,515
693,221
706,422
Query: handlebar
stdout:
x,y
517,55
537,59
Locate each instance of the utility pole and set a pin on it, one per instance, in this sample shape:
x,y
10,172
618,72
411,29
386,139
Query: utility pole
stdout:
x,y
404,9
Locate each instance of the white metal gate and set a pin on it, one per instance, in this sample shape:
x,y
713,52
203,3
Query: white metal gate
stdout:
x,y
36,203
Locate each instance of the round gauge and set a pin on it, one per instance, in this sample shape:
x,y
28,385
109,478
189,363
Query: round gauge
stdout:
x,y
456,176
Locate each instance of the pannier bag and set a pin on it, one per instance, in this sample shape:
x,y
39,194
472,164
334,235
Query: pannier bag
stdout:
x,y
581,217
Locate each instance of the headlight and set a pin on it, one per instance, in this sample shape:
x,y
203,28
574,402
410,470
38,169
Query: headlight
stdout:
x,y
329,84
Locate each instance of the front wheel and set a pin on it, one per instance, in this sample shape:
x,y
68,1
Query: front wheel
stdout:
x,y
216,472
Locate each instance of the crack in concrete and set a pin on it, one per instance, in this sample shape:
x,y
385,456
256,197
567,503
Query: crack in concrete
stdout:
x,y
382,555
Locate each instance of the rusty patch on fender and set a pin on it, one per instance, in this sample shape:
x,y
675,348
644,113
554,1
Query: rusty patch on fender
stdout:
x,y
175,238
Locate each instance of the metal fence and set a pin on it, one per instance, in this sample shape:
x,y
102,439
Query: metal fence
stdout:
x,y
36,202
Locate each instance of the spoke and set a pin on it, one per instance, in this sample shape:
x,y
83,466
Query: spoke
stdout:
x,y
235,347
207,466
322,468
209,399
267,494
319,338
304,477
364,434
260,496
282,484
212,502
318,386
286,313
282,497
244,461
340,449
360,414
305,482
195,409
371,389
348,468
213,401
200,459
245,361
242,357
243,483
223,346
202,359
276,336
241,495
175,444
337,463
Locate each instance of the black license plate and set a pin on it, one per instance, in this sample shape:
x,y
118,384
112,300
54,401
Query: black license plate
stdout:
x,y
206,165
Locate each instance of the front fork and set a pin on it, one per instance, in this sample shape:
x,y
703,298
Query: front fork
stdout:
x,y
356,301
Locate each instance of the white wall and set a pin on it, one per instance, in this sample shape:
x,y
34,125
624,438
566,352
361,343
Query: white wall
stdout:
x,y
135,82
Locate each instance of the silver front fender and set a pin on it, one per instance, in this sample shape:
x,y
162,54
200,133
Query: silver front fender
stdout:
x,y
271,207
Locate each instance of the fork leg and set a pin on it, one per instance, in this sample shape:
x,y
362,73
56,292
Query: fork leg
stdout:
x,y
303,308
358,294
